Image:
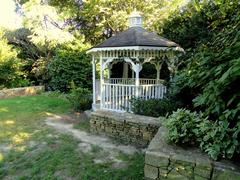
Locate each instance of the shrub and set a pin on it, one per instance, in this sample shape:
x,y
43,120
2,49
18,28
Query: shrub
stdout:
x,y
67,67
81,99
217,139
183,127
153,107
210,71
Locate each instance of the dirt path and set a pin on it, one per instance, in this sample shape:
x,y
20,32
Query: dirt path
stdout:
x,y
109,150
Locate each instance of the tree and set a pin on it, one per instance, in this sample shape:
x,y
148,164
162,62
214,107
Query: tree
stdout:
x,y
10,66
100,19
210,75
47,34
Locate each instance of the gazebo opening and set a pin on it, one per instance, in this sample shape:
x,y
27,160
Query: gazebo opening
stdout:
x,y
122,58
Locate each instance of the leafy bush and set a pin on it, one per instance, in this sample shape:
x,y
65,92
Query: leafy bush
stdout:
x,y
217,139
153,107
67,67
81,99
209,77
183,126
209,30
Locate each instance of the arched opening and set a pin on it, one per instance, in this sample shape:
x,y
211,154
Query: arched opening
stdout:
x,y
117,70
164,72
148,71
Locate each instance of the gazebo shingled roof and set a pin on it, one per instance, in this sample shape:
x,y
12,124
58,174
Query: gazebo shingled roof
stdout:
x,y
137,36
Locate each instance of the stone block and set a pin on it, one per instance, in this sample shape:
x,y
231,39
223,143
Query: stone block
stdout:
x,y
147,136
225,174
175,175
186,171
150,172
157,159
180,158
203,172
108,130
196,177
163,172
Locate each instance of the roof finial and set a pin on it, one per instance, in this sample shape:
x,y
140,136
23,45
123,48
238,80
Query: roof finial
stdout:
x,y
135,19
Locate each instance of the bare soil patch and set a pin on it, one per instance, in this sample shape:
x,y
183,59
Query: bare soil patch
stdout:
x,y
102,147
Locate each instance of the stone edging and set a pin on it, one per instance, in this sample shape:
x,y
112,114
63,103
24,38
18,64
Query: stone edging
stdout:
x,y
125,127
168,161
23,91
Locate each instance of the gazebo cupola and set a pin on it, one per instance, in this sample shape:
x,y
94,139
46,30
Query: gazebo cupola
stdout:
x,y
134,47
135,19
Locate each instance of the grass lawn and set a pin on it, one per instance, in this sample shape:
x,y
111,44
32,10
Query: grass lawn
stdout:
x,y
29,149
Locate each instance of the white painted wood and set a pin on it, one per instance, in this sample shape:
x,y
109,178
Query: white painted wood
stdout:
x,y
158,67
94,82
116,93
125,70
118,96
109,71
98,90
142,81
136,48
101,81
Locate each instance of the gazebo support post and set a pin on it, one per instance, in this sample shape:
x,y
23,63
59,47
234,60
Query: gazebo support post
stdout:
x,y
158,67
125,70
137,69
101,80
94,82
109,71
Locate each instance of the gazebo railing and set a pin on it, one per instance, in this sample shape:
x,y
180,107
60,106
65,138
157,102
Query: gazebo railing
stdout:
x,y
118,97
152,91
132,81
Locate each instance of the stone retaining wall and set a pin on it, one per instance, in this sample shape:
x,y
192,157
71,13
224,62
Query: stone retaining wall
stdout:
x,y
32,90
125,127
165,161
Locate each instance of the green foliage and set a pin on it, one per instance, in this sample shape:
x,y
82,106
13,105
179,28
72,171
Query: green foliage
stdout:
x,y
28,53
183,126
44,23
153,107
48,35
212,65
49,25
10,66
81,99
68,67
100,19
209,77
217,139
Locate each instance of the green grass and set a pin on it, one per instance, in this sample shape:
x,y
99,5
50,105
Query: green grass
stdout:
x,y
31,150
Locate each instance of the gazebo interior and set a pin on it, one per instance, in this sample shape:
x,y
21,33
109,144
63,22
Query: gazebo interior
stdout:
x,y
121,59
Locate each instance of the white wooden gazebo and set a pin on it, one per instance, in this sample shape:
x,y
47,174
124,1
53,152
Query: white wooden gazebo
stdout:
x,y
133,47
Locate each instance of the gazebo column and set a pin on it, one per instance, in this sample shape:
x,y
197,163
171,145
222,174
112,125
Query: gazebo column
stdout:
x,y
132,74
109,71
173,64
125,70
137,68
158,67
94,82
101,80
